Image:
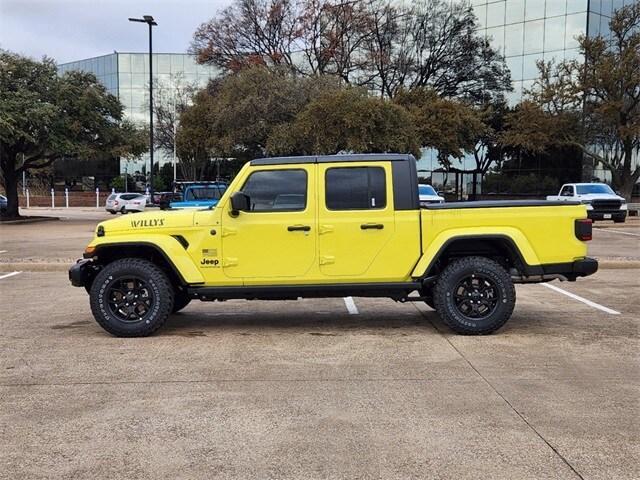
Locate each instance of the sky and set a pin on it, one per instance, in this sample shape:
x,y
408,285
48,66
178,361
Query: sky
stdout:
x,y
68,30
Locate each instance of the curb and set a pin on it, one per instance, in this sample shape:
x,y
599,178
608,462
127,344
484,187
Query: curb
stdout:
x,y
26,220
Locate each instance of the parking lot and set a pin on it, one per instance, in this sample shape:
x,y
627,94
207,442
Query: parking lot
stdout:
x,y
331,388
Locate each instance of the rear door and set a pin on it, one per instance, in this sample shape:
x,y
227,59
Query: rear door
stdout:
x,y
355,216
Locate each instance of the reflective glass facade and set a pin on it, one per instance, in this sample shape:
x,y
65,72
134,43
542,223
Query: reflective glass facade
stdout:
x,y
126,75
526,31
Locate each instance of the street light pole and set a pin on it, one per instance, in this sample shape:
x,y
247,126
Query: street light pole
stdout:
x,y
148,19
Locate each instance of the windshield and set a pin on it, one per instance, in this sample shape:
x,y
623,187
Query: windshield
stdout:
x,y
594,188
426,190
205,193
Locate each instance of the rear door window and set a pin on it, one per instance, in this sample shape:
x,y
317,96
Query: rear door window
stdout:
x,y
355,188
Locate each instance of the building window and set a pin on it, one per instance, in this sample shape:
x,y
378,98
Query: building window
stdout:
x,y
576,6
513,39
554,33
576,25
515,11
355,188
495,14
533,36
534,9
277,190
555,8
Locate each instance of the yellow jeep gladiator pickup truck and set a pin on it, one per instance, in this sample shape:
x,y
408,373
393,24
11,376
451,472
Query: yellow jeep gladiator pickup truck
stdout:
x,y
331,226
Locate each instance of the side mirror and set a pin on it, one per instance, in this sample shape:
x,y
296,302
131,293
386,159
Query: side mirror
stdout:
x,y
240,202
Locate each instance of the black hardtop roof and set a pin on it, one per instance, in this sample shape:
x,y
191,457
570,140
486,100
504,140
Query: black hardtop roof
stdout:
x,y
356,157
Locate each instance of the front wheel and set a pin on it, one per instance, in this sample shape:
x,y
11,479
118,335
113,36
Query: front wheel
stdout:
x,y
131,297
474,296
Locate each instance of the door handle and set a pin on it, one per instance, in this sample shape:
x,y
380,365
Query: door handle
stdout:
x,y
371,226
298,228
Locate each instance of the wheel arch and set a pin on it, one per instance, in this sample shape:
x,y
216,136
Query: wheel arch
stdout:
x,y
172,259
500,247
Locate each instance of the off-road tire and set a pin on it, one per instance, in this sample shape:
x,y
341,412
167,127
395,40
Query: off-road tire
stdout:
x,y
180,300
157,283
448,282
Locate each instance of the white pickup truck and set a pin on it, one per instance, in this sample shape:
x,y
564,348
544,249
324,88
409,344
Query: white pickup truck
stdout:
x,y
601,201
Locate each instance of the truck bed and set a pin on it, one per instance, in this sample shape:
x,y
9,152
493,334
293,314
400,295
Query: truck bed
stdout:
x,y
498,204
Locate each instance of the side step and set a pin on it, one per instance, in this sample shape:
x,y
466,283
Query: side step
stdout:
x,y
397,291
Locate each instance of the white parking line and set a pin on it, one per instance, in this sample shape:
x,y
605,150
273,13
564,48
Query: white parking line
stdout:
x,y
580,299
609,230
3,251
351,306
9,275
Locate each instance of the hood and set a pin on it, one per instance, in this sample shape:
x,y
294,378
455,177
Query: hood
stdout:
x,y
601,196
148,221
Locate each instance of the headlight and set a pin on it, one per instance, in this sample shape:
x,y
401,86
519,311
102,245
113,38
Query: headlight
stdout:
x,y
623,206
589,206
586,202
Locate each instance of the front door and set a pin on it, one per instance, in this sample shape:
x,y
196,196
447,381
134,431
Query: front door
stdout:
x,y
355,216
277,237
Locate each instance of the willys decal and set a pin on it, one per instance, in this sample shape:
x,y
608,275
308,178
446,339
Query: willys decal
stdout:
x,y
152,222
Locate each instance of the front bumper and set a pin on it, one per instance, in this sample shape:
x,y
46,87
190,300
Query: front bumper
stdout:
x,y
612,215
82,273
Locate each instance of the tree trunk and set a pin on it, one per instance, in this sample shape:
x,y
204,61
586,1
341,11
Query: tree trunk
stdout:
x,y
11,186
587,168
626,187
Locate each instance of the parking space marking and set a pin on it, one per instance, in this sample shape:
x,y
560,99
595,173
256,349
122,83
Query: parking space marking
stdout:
x,y
581,299
609,230
3,251
351,306
9,275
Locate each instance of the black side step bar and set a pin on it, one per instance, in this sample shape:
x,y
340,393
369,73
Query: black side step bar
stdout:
x,y
288,292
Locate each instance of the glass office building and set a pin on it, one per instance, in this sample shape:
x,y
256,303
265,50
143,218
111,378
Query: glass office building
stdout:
x,y
525,31
126,75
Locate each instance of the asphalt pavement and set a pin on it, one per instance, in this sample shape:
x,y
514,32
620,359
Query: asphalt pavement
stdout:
x,y
327,389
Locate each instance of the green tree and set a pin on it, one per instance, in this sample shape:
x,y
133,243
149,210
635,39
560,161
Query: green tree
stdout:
x,y
449,126
347,120
45,117
593,106
235,116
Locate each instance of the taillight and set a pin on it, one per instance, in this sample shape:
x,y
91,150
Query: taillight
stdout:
x,y
583,229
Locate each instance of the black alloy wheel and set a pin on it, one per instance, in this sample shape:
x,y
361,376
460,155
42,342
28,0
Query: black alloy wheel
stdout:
x,y
476,296
129,299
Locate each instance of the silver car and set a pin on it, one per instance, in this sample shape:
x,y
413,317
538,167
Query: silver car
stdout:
x,y
125,202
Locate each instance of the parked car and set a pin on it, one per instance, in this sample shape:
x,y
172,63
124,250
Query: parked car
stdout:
x,y
167,197
3,203
346,231
200,194
601,201
428,195
125,203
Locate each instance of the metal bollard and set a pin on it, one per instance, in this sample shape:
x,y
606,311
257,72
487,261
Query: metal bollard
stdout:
x,y
27,198
66,198
97,198
53,201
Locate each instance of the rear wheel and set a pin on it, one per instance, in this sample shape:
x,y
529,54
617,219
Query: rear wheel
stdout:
x,y
123,211
474,296
131,297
